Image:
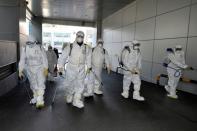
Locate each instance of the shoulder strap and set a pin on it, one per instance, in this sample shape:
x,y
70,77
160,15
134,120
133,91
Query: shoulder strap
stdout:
x,y
127,48
104,51
85,48
93,49
71,47
25,48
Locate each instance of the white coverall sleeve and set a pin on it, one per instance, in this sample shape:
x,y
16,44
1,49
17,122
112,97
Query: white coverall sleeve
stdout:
x,y
89,57
107,59
139,64
174,61
44,58
125,54
22,59
63,57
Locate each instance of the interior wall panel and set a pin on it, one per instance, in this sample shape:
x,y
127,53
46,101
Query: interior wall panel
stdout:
x,y
8,49
146,71
191,88
169,5
117,35
8,28
147,50
145,29
129,15
193,21
107,36
117,20
128,32
146,9
173,24
194,1
191,54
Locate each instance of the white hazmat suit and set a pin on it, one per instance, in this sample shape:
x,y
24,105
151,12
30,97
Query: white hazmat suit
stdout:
x,y
34,62
174,69
99,57
131,59
78,55
52,61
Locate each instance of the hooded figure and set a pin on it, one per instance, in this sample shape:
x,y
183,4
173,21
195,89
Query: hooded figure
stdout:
x,y
99,57
131,58
34,62
78,54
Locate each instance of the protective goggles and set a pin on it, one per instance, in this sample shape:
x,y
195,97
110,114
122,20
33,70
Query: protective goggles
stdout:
x,y
29,43
100,42
137,44
178,49
80,36
169,50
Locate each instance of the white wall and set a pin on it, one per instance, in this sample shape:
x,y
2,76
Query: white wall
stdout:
x,y
9,29
157,24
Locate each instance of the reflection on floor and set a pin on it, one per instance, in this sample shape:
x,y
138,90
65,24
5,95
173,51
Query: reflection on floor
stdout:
x,y
109,112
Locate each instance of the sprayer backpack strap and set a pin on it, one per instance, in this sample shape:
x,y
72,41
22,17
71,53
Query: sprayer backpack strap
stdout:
x,y
104,51
71,47
125,48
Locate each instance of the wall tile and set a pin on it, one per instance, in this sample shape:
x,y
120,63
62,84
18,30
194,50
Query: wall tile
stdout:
x,y
174,24
145,29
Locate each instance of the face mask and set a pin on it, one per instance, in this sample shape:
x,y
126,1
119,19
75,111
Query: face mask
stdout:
x,y
30,44
179,52
136,48
100,45
80,40
178,49
170,50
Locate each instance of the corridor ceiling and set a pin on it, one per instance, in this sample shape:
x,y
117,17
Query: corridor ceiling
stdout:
x,y
76,10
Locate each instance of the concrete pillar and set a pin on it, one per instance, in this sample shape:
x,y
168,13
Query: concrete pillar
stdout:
x,y
99,19
99,29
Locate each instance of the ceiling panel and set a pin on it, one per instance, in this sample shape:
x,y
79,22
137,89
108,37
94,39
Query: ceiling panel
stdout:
x,y
82,10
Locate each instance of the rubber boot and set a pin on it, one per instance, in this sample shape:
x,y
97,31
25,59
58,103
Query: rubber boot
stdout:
x,y
77,102
125,94
136,96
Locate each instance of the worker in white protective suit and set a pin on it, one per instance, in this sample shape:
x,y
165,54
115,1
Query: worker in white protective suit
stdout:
x,y
175,65
33,62
99,57
52,61
78,54
131,59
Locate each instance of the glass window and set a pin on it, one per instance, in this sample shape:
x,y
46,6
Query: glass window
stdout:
x,y
66,35
58,43
46,34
